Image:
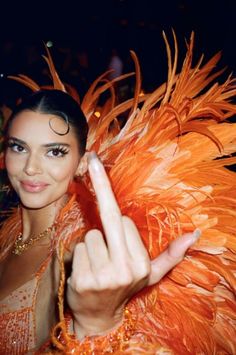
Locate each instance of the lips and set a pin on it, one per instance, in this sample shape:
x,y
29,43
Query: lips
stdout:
x,y
30,186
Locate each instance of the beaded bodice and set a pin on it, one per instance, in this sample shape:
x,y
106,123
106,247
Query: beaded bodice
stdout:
x,y
18,310
17,319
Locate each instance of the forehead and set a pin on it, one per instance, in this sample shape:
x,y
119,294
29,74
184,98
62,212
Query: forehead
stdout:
x,y
29,125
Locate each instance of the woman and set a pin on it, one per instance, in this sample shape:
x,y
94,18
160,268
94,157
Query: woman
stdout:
x,y
45,151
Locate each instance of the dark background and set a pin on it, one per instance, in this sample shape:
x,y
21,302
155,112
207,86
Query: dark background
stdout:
x,y
83,32
89,30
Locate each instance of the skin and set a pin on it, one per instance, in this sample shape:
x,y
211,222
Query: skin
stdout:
x,y
40,175
104,275
38,171
117,270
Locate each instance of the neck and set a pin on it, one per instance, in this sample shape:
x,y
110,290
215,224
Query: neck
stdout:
x,y
35,221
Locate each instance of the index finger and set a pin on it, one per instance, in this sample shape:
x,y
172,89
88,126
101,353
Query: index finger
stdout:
x,y
109,210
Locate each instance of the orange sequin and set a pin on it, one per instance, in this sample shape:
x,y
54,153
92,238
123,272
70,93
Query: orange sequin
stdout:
x,y
18,310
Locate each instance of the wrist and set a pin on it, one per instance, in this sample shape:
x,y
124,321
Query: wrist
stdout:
x,y
115,342
95,326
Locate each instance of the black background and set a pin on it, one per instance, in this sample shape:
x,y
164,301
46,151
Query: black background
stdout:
x,y
97,26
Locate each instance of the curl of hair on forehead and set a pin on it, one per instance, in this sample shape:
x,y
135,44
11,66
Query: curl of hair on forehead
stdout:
x,y
62,106
64,117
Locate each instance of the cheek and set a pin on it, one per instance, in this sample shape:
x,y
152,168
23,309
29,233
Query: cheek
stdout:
x,y
62,173
12,165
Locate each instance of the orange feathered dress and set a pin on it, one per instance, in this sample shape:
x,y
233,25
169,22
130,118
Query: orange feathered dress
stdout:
x,y
168,169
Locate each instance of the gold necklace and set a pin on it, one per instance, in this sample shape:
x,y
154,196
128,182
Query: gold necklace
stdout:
x,y
20,246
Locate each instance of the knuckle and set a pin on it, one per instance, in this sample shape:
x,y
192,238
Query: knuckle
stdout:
x,y
79,248
125,279
81,285
91,234
85,287
128,222
144,270
174,259
113,280
105,285
127,219
107,279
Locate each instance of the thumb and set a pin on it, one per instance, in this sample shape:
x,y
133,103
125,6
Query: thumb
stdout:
x,y
175,252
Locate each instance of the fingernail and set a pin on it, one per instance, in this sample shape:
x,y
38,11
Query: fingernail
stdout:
x,y
94,161
197,232
92,156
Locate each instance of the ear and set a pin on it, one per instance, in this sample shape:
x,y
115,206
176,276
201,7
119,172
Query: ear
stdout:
x,y
83,165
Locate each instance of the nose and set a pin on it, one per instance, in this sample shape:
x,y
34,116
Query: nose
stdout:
x,y
33,165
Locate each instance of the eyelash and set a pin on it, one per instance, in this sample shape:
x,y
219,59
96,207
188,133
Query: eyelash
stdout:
x,y
15,145
60,150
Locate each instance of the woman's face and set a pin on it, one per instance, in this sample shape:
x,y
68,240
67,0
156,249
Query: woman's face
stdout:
x,y
39,162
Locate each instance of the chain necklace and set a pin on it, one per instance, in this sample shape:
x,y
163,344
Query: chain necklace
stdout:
x,y
20,246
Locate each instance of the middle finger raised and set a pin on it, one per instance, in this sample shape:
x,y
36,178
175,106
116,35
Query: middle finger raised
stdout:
x,y
109,210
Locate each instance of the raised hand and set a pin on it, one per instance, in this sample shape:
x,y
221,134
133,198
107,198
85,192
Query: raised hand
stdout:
x,y
106,273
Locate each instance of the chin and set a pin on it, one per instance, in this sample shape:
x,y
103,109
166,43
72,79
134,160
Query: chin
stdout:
x,y
33,201
38,202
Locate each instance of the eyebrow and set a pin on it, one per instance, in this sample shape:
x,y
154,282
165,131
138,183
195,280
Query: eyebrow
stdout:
x,y
16,140
56,144
47,145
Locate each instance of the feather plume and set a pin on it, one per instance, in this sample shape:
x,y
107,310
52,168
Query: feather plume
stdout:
x,y
167,166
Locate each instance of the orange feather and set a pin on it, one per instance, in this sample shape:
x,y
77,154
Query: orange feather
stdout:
x,y
167,166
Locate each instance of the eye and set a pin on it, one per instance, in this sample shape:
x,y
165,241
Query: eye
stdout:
x,y
57,152
16,147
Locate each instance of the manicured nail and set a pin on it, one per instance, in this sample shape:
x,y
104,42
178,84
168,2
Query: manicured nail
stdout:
x,y
197,232
94,161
